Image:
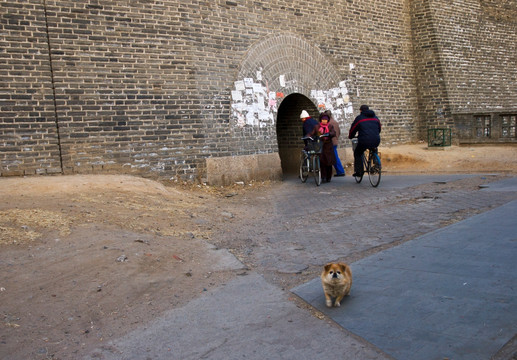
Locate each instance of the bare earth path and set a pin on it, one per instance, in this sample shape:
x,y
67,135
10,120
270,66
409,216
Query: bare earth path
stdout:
x,y
87,258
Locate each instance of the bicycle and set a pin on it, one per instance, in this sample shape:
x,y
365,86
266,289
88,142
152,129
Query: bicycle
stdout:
x,y
371,165
310,159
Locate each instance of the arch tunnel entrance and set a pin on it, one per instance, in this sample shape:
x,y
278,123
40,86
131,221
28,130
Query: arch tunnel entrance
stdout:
x,y
289,130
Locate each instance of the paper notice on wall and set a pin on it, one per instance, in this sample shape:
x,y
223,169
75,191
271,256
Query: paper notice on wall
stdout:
x,y
281,78
259,75
260,103
236,95
252,103
263,115
240,120
248,82
239,107
250,118
257,88
239,85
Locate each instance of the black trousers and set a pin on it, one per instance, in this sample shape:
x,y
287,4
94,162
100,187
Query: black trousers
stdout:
x,y
358,155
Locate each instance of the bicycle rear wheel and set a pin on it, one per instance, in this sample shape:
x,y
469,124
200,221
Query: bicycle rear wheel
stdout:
x,y
359,178
316,169
374,166
304,167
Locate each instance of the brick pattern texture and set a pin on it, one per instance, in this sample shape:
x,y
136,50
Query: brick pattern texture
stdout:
x,y
145,87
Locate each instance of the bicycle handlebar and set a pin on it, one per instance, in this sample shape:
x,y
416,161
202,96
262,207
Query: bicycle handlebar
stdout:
x,y
311,138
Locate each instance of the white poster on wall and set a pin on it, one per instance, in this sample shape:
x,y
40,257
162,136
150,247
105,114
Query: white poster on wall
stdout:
x,y
236,95
282,80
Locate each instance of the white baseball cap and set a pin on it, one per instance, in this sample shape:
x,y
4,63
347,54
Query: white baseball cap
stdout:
x,y
304,115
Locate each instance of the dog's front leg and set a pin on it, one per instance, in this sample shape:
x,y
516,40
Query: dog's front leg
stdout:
x,y
328,300
338,300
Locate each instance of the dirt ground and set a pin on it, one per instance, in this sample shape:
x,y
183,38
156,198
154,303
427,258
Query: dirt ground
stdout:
x,y
87,258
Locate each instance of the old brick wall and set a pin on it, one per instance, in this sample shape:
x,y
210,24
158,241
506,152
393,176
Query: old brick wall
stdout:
x,y
28,133
466,60
170,90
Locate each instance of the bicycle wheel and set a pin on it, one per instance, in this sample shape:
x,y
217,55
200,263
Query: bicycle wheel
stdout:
x,y
316,169
374,165
304,167
358,179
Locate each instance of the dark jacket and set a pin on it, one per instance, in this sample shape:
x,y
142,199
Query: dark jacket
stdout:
x,y
310,127
369,128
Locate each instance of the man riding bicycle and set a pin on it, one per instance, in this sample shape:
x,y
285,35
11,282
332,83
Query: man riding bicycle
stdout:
x,y
369,128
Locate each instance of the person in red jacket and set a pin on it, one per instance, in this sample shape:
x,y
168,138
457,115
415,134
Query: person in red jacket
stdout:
x,y
327,158
368,125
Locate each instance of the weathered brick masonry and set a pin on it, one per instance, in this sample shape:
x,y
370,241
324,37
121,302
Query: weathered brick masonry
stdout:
x,y
465,56
212,90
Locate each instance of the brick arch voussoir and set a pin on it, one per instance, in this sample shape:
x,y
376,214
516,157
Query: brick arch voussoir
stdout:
x,y
303,66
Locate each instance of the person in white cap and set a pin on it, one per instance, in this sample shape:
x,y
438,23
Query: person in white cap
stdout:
x,y
310,125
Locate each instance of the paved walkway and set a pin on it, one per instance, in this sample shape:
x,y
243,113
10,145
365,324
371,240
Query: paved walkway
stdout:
x,y
449,294
471,296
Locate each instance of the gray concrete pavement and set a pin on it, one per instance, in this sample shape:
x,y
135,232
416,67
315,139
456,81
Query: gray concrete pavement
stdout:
x,y
246,319
509,184
450,294
305,227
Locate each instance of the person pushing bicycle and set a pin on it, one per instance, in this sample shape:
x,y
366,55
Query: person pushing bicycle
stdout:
x,y
310,126
368,125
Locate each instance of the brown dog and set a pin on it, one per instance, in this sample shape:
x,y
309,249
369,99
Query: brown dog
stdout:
x,y
336,279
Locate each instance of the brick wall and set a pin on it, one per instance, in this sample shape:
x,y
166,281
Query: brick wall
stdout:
x,y
465,55
28,133
164,88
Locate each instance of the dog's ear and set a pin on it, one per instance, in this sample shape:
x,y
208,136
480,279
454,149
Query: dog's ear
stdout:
x,y
343,267
327,267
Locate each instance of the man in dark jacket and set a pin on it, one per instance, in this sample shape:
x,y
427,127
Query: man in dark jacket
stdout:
x,y
369,128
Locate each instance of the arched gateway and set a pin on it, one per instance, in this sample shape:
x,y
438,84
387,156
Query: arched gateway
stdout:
x,y
278,78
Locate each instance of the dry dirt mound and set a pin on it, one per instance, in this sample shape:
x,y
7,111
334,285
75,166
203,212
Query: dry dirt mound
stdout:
x,y
86,257
470,159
